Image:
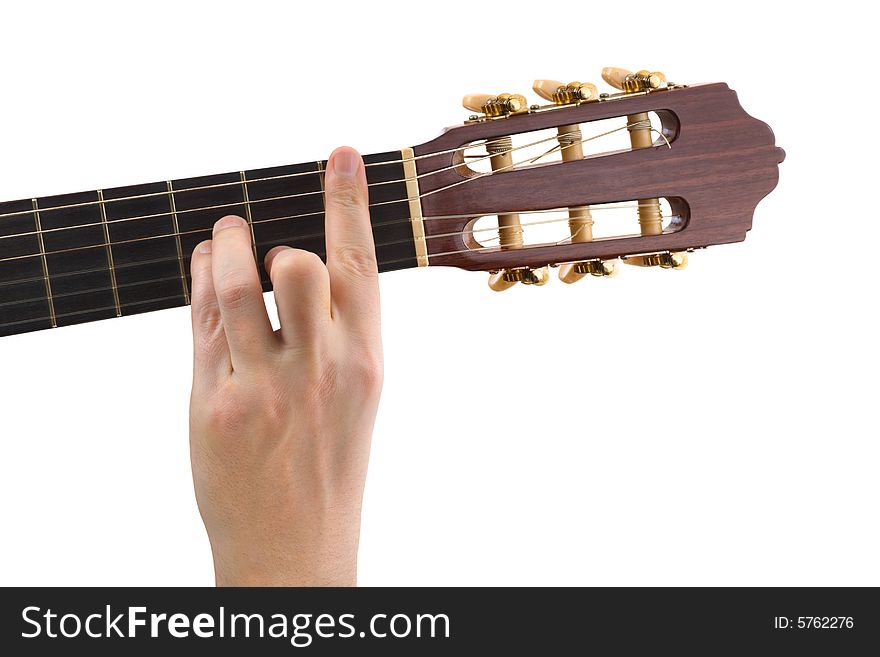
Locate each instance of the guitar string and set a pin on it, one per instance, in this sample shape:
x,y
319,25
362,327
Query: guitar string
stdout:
x,y
291,239
475,144
192,231
176,276
231,204
178,297
239,183
317,235
178,233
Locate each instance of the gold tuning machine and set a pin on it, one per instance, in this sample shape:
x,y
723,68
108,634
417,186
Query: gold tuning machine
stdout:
x,y
507,278
580,219
575,271
640,133
565,94
630,82
664,260
500,150
496,105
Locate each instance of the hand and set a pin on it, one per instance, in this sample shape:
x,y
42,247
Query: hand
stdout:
x,y
280,422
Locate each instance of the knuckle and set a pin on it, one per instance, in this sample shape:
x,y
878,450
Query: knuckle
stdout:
x,y
297,264
372,374
245,422
210,339
235,407
357,259
368,370
356,378
206,321
348,195
224,412
234,290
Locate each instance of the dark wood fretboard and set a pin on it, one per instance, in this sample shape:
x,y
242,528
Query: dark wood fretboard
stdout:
x,y
114,252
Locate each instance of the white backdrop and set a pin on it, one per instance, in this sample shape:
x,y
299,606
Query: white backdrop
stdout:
x,y
530,437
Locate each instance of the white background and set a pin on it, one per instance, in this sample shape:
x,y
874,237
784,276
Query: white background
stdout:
x,y
711,426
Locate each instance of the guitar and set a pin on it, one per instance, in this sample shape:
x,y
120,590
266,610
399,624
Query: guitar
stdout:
x,y
514,190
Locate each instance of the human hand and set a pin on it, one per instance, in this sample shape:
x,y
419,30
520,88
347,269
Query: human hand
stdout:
x,y
281,422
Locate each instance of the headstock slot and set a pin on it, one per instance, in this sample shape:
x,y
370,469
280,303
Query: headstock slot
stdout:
x,y
550,227
597,138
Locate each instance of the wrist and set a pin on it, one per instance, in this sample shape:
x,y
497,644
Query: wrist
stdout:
x,y
248,570
322,559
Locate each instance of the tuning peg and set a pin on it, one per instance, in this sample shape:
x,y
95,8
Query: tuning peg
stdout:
x,y
564,94
630,82
495,105
499,282
475,102
546,88
664,260
507,278
574,271
615,76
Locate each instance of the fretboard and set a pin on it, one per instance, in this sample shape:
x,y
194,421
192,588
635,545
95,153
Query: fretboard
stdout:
x,y
114,252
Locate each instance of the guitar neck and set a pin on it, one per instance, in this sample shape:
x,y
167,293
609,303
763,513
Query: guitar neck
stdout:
x,y
108,253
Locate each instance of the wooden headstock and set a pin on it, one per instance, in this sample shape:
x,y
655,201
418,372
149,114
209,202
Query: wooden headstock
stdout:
x,y
709,160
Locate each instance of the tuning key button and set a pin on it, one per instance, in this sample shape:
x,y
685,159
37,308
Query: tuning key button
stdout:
x,y
498,282
664,260
567,274
475,102
546,88
615,76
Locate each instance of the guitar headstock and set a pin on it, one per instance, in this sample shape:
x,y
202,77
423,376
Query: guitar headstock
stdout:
x,y
642,174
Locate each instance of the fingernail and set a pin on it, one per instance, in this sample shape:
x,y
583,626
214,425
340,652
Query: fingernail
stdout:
x,y
345,163
205,247
228,222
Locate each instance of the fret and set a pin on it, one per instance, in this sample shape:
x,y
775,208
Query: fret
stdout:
x,y
247,209
109,252
295,214
321,171
390,213
45,264
180,261
146,258
24,291
77,258
199,204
